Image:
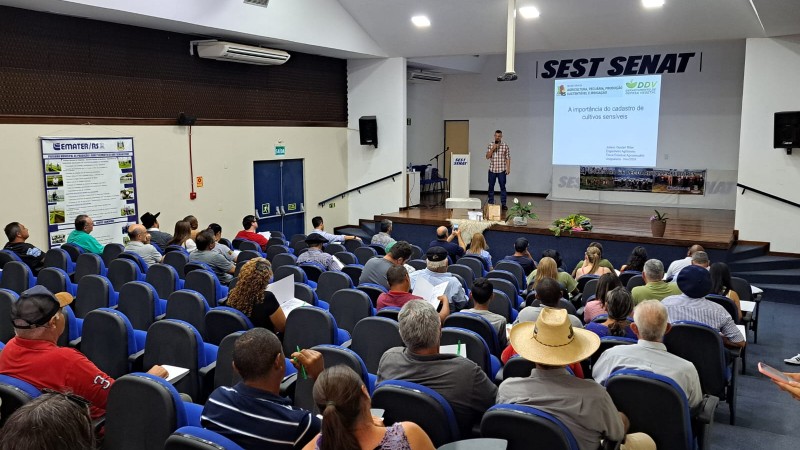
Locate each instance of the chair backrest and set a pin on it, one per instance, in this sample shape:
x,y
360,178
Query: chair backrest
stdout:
x,y
196,438
635,281
275,239
464,271
177,260
224,375
742,288
300,237
312,269
276,250
282,259
670,423
478,324
178,343
72,328
519,424
590,289
473,263
57,257
13,394
189,306
333,356
226,242
298,247
507,288
127,428
364,254
206,283
176,248
702,346
74,250
140,303
518,367
372,336
585,279
17,277
373,290
476,348
295,271
111,251
501,304
7,298
498,274
626,276
330,282
333,248
55,280
107,339
379,249
346,257
7,256
405,401
416,252
721,300
389,312
244,244
418,264
562,303
306,327
349,306
94,291
222,321
164,278
354,272
143,266
305,293
352,244
516,269
122,271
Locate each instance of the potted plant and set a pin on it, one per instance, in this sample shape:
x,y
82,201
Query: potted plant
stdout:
x,y
520,213
658,223
573,222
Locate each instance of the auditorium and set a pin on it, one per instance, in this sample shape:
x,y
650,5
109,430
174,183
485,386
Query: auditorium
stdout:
x,y
277,224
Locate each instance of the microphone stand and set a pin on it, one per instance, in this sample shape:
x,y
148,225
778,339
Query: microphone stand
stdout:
x,y
436,157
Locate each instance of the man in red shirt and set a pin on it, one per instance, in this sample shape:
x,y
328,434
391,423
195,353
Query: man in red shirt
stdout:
x,y
399,295
33,355
250,225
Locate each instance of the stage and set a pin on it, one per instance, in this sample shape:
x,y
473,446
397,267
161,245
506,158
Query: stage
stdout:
x,y
618,227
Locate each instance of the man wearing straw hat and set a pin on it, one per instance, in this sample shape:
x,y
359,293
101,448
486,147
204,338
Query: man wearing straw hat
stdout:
x,y
582,405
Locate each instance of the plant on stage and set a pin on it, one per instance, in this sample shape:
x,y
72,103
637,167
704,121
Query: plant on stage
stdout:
x,y
519,209
573,222
659,217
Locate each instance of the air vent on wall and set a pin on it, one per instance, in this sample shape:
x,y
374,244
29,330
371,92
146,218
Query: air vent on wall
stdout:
x,y
247,54
424,77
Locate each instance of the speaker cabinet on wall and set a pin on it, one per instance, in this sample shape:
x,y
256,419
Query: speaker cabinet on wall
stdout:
x,y
368,130
787,130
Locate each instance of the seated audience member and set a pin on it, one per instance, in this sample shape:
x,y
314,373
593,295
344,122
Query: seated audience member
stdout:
x,y
193,225
655,287
319,228
82,235
17,234
679,264
347,422
315,253
591,264
219,247
583,406
701,259
548,268
481,294
384,238
436,273
695,283
551,253
52,421
548,292
250,232
140,244
596,307
721,284
252,413
636,260
33,355
620,306
375,270
157,237
651,323
522,256
603,262
222,267
479,248
444,240
182,236
400,292
460,381
250,296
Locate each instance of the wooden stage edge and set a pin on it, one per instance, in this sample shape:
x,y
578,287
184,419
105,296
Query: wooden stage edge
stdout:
x,y
710,228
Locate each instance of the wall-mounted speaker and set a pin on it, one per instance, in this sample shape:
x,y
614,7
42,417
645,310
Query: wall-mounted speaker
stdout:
x,y
787,130
368,130
184,119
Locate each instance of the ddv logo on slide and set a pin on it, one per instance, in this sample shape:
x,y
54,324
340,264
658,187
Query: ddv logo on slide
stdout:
x,y
637,86
460,162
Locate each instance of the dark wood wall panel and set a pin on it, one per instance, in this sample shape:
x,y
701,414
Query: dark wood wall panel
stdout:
x,y
59,66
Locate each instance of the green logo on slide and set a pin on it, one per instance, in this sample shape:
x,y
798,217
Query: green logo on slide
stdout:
x,y
631,84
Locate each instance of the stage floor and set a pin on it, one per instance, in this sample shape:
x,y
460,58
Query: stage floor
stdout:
x,y
711,228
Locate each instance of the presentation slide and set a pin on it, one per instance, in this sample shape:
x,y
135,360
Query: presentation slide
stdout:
x,y
606,121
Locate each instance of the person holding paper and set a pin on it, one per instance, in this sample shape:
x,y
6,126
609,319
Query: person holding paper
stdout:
x,y
251,297
499,155
436,273
399,292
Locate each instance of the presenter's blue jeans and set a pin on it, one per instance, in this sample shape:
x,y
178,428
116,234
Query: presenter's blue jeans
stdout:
x,y
501,177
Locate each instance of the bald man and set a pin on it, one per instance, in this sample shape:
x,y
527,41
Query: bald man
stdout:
x,y
140,244
445,240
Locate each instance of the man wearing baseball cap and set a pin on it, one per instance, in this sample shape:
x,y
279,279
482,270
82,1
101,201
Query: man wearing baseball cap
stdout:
x,y
582,405
436,273
33,355
158,237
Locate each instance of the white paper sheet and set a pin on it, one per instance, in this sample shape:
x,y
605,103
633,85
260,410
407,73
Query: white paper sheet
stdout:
x,y
742,330
424,289
175,373
283,290
454,349
747,306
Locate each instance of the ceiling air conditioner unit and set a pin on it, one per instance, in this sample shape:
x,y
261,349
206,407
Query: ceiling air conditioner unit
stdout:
x,y
228,51
425,77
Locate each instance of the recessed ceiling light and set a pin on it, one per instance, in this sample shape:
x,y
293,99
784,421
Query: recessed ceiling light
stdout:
x,y
652,3
421,21
529,12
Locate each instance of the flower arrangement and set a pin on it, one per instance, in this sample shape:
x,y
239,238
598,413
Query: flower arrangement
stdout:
x,y
573,222
521,210
658,217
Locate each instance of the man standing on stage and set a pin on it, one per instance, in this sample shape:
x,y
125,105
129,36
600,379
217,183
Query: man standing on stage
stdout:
x,y
499,156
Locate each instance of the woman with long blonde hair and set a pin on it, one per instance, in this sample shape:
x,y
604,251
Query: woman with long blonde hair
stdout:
x,y
548,268
251,297
479,247
591,264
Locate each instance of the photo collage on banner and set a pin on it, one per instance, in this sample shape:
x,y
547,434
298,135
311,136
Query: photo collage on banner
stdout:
x,y
640,179
93,176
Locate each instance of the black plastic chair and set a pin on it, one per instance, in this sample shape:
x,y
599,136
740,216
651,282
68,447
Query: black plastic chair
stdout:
x,y
333,248
352,244
300,237
309,326
290,270
477,349
478,324
13,394
635,281
589,290
177,260
73,250
223,321
59,258
585,279
389,312
122,271
312,270
521,424
17,277
418,264
518,367
498,274
55,280
276,250
373,290
247,255
514,268
190,307
249,245
349,306
379,249
465,272
507,288
94,291
196,438
164,278
405,401
141,304
562,303
500,304
364,254
745,292
475,264
6,256
416,252
111,251
346,258
282,259
304,292
354,272
372,336
626,276
206,283
331,282
110,342
224,375
7,298
140,262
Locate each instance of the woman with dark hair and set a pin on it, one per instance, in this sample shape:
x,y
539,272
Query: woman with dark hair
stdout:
x,y
346,420
597,306
250,296
182,236
636,260
721,284
550,253
52,421
620,306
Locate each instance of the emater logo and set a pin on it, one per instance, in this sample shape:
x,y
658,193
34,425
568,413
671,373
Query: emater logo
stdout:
x,y
460,161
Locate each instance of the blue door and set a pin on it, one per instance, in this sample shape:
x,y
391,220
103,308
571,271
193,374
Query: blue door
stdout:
x,y
278,194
